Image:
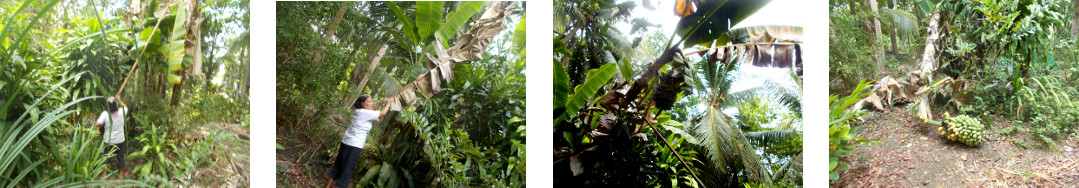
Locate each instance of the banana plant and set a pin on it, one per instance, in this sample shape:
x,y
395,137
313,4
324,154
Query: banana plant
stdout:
x,y
471,46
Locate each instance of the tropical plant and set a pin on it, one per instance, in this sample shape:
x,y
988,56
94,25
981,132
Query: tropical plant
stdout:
x,y
606,124
841,135
156,146
59,58
452,73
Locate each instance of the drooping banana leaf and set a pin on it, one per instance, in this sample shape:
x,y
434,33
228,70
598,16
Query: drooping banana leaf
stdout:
x,y
714,18
470,46
766,34
519,37
173,47
193,37
778,55
409,28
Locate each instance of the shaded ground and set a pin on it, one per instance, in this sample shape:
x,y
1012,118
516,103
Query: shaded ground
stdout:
x,y
231,161
905,160
306,161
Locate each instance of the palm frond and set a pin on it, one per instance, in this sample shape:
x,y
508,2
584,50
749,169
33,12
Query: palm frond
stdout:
x,y
903,21
726,148
770,136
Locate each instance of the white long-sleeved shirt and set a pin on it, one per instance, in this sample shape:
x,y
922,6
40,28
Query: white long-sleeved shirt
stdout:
x,y
356,134
114,125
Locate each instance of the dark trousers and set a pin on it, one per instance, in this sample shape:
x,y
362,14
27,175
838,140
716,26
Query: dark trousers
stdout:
x,y
118,160
118,149
345,164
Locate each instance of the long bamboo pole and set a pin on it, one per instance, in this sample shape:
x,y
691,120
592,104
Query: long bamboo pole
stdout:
x,y
143,51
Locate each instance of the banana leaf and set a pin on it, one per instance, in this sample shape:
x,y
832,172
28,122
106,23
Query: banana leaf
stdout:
x,y
713,19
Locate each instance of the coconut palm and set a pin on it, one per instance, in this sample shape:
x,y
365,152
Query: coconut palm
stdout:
x,y
730,153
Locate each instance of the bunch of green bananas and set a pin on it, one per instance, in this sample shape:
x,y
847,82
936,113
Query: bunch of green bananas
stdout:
x,y
962,128
670,84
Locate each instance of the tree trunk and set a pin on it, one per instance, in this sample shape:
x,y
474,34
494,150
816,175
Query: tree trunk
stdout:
x,y
929,56
894,41
370,69
245,90
566,39
178,90
330,30
879,53
1075,20
193,43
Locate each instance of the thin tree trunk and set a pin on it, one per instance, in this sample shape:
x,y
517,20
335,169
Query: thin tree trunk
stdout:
x,y
879,53
331,29
566,39
246,90
370,69
178,89
894,42
1075,20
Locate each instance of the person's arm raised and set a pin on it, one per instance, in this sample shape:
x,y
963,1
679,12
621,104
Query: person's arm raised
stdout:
x,y
126,110
384,109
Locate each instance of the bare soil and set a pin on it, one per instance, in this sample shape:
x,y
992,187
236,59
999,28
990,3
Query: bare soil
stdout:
x,y
905,160
306,159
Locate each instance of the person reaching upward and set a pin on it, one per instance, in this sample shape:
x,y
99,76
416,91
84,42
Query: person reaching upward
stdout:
x,y
113,132
363,115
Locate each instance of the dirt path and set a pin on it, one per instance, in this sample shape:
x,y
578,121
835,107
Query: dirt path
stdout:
x,y
905,160
231,157
305,161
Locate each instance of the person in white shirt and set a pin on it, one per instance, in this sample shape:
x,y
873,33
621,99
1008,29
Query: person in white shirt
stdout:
x,y
363,115
113,132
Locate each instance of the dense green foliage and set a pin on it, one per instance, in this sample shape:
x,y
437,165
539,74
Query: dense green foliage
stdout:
x,y
1018,55
610,95
467,131
62,58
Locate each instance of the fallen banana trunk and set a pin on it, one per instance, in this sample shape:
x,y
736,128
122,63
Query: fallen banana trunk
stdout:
x,y
914,89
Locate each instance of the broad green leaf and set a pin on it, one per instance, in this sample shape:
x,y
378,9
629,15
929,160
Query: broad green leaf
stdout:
x,y
626,68
713,19
407,27
833,162
428,17
582,94
519,36
458,18
561,86
927,6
